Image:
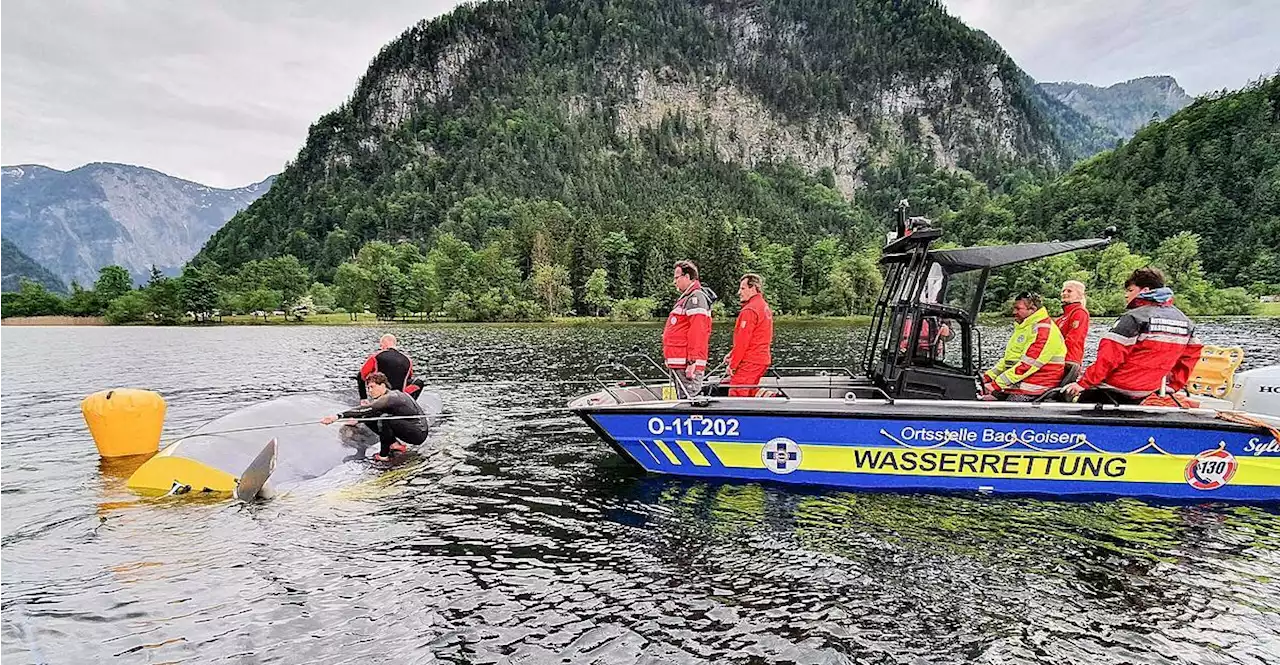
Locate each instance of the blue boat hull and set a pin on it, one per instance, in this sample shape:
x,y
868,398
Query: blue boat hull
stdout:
x,y
1154,457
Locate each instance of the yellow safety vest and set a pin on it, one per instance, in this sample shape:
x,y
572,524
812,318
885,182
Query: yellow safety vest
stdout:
x,y
1016,365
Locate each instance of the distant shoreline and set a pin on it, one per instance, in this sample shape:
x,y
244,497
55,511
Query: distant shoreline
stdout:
x,y
54,321
371,321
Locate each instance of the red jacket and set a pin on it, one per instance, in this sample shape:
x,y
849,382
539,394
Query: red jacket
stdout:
x,y
1148,343
1074,324
752,334
688,330
396,365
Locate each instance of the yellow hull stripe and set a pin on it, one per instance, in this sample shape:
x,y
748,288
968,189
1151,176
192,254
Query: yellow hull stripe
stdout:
x,y
667,451
1024,465
692,452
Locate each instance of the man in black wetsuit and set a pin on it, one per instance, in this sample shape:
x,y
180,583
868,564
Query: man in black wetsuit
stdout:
x,y
392,362
388,402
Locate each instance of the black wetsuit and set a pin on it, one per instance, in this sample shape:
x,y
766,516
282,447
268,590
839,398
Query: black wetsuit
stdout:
x,y
393,403
398,368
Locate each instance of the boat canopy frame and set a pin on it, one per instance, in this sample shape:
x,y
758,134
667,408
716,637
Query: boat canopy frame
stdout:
x,y
910,361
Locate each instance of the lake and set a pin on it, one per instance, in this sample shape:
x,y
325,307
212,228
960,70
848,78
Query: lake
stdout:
x,y
517,536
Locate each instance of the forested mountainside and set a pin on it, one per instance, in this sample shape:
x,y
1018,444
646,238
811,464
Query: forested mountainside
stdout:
x,y
691,128
529,158
18,266
1212,169
1123,108
75,222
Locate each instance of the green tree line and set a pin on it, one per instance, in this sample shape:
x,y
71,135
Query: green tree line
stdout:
x,y
512,277
451,279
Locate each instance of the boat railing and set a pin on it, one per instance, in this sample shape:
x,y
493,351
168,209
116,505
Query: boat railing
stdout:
x,y
850,392
636,353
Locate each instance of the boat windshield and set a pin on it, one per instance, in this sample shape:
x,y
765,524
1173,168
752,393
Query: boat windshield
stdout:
x,y
962,290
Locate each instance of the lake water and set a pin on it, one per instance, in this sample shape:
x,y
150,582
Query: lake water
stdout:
x,y
517,536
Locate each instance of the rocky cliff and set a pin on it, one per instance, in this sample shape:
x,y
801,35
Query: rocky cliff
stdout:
x,y
627,110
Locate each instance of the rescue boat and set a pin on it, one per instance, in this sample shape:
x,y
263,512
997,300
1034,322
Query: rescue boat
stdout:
x,y
909,418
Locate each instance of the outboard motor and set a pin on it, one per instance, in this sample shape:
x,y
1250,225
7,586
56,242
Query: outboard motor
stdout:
x,y
1257,391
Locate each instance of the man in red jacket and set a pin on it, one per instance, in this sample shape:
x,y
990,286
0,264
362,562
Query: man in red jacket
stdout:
x,y
394,364
688,331
1151,341
752,339
1074,324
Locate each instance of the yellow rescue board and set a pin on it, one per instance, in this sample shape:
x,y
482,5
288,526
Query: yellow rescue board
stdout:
x,y
162,472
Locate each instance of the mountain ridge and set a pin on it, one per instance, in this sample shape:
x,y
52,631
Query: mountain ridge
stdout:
x,y
1210,169
76,221
134,167
19,266
1124,107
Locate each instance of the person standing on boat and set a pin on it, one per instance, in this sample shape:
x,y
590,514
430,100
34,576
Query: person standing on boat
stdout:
x,y
687,334
1151,341
391,431
1074,324
752,339
392,362
1035,357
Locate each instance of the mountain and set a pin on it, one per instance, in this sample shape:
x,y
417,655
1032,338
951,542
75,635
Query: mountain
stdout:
x,y
75,222
18,265
1212,169
1126,107
649,118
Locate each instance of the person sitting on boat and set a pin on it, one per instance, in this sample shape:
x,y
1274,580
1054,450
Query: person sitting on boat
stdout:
x,y
928,346
389,415
1035,357
1074,324
1151,341
752,339
392,362
687,334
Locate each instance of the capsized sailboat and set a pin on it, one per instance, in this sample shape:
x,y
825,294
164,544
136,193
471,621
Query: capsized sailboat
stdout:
x,y
248,450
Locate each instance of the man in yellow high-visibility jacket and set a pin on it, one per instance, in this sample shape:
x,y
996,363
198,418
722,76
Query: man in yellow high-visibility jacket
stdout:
x,y
1035,358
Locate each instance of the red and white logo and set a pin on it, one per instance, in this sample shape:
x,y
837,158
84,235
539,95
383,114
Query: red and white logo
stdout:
x,y
1211,469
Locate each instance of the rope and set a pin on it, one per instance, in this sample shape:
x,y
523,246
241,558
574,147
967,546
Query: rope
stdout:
x,y
1083,441
282,425
1242,418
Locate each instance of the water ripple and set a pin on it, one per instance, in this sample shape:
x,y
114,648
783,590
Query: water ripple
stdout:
x,y
516,536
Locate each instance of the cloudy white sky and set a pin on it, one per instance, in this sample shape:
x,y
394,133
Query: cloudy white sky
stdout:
x,y
222,91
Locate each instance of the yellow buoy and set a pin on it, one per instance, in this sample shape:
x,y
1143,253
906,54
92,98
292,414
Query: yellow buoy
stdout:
x,y
125,421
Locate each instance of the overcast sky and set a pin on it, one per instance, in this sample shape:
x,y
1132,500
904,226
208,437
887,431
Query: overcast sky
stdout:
x,y
222,92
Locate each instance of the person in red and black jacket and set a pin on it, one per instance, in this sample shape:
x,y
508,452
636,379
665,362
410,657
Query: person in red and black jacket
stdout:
x,y
752,339
1151,341
396,365
1074,324
687,334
